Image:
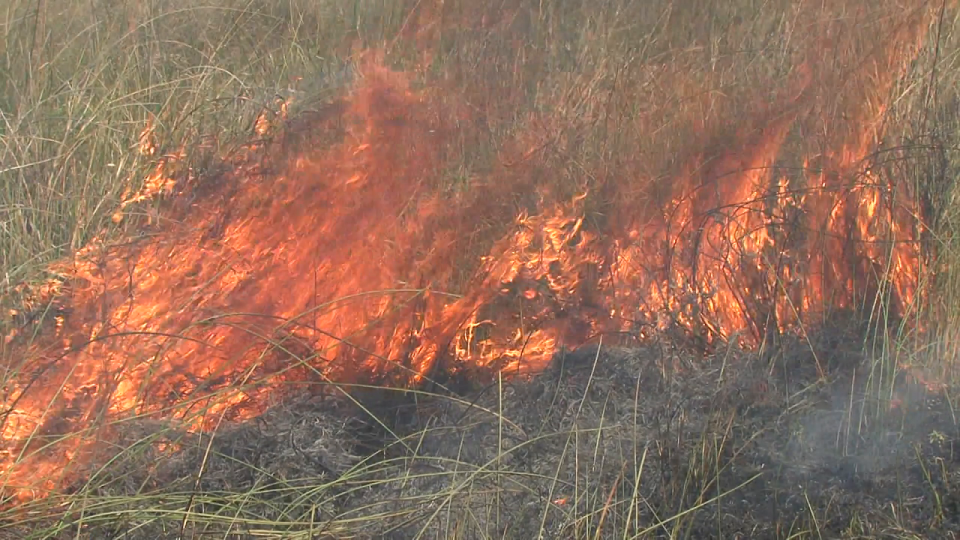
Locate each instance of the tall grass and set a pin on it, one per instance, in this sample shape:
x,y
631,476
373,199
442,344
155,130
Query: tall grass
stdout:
x,y
608,89
79,81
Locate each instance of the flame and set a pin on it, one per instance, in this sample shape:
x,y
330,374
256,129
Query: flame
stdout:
x,y
355,259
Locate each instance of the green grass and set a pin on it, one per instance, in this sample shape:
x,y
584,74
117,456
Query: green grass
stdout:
x,y
81,80
606,92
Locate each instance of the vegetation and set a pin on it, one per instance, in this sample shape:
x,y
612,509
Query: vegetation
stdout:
x,y
845,428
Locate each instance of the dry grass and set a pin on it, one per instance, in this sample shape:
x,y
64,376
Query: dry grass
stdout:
x,y
637,443
648,442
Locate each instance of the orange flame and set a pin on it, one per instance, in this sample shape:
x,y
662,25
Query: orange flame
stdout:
x,y
358,260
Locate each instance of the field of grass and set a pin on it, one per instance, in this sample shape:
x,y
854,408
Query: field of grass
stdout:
x,y
844,427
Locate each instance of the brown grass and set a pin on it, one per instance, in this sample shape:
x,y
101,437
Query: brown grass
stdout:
x,y
451,119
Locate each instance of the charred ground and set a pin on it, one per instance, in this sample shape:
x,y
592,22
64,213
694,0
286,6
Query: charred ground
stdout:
x,y
650,442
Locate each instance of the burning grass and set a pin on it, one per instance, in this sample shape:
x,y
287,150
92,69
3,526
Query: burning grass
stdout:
x,y
648,442
470,194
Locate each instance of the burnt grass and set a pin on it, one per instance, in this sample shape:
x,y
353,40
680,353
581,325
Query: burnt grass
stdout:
x,y
650,442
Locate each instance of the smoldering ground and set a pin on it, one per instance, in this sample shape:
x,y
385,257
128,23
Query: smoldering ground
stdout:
x,y
651,442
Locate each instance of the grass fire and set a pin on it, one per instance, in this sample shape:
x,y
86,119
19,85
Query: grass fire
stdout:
x,y
452,269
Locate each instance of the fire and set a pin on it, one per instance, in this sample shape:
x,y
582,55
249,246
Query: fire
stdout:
x,y
311,262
